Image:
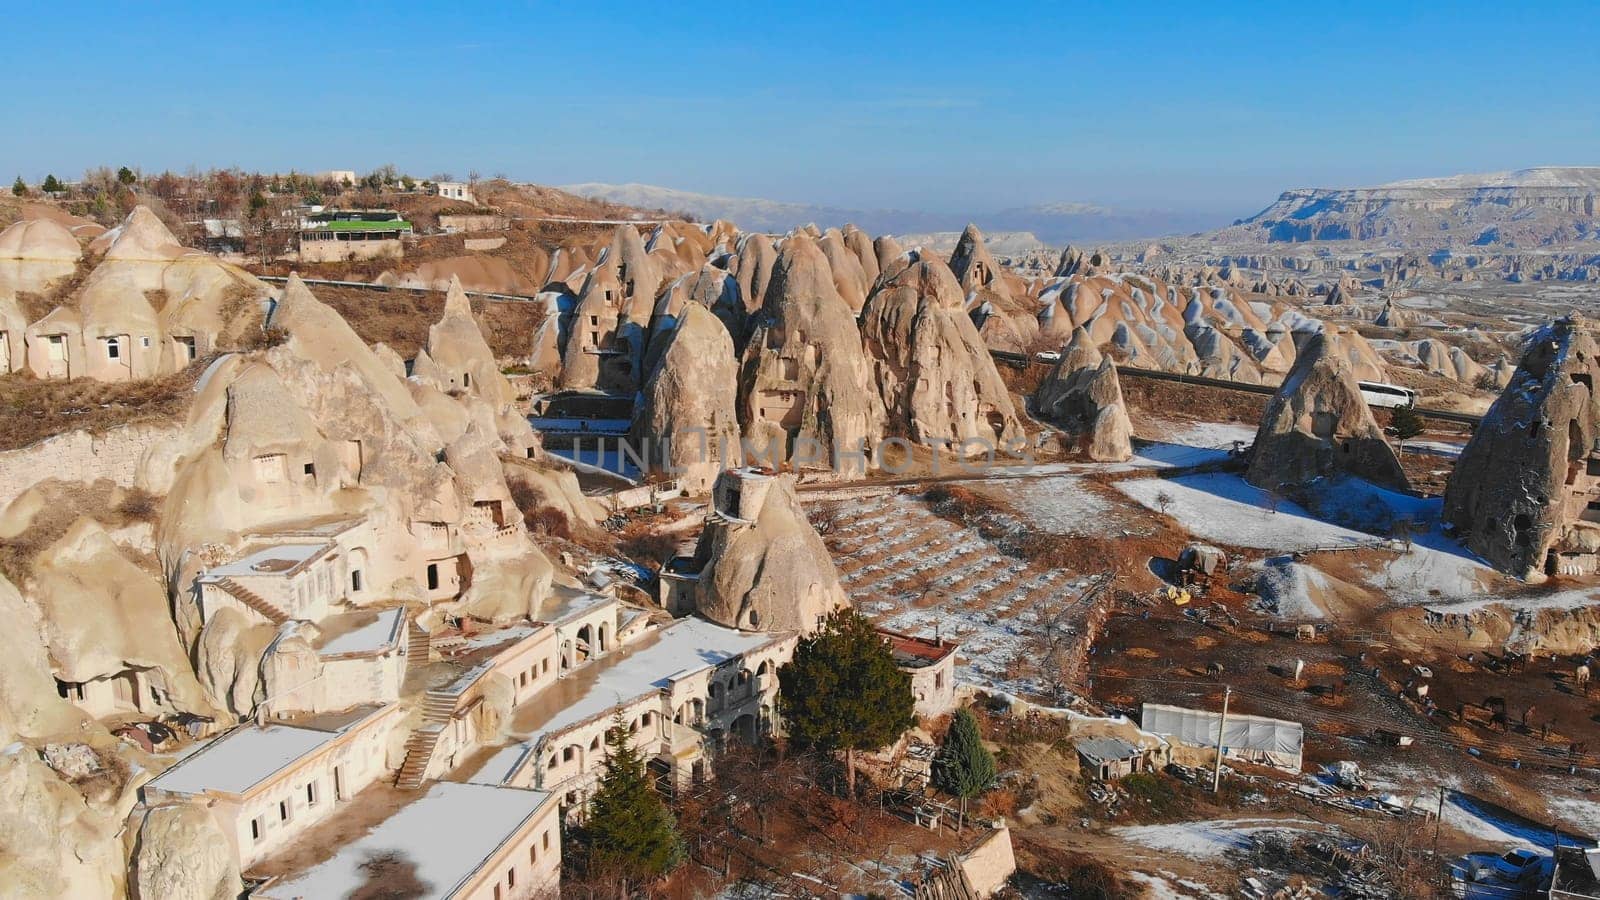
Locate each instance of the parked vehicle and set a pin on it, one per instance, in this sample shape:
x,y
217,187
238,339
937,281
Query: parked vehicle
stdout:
x,y
1389,396
1521,866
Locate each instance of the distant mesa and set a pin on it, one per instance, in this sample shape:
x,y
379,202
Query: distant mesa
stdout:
x,y
1052,223
1527,207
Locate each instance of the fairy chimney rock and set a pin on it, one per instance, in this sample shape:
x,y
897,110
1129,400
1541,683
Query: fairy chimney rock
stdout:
x,y
938,382
762,566
1525,493
687,422
1083,397
973,265
1318,424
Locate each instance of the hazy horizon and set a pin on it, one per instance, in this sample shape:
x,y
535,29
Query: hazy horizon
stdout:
x,y
1176,108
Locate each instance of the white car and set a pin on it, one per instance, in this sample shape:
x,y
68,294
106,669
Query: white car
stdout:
x,y
1521,866
1047,356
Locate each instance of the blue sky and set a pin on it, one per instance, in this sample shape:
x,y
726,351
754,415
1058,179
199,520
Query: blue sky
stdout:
x,y
937,106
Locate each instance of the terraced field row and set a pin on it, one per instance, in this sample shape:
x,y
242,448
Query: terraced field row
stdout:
x,y
909,570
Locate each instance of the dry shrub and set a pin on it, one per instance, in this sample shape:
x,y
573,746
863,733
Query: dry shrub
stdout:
x,y
48,526
263,337
961,505
644,544
538,515
548,521
389,876
401,318
1025,381
64,292
1149,398
1084,877
37,409
139,505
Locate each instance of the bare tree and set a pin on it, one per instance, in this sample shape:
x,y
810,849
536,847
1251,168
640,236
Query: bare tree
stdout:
x,y
265,231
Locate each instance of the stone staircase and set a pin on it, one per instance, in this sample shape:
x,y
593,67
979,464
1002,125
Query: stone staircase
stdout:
x,y
255,601
419,752
437,706
419,645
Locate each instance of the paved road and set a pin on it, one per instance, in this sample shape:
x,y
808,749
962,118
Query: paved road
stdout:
x,y
1019,360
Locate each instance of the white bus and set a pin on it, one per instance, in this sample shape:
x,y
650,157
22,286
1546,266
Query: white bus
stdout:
x,y
1390,396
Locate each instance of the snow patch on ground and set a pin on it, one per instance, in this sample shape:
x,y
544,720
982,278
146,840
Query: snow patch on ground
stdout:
x,y
1558,600
1169,887
1473,817
1580,813
1210,839
1058,504
1223,507
1290,589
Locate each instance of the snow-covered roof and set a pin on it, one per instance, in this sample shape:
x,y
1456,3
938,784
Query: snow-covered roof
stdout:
x,y
281,559
564,606
680,649
380,633
503,764
447,834
247,755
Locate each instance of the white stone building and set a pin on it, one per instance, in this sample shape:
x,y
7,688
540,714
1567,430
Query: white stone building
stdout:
x,y
454,190
266,785
466,841
681,691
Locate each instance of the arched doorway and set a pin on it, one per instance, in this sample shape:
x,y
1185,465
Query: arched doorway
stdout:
x,y
585,645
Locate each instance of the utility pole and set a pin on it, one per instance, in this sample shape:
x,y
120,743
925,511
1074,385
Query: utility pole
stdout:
x,y
1222,725
1437,821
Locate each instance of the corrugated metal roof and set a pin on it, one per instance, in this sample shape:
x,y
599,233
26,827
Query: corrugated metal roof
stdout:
x,y
1104,750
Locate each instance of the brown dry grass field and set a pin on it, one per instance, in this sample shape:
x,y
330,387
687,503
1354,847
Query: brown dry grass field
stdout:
x,y
401,319
34,410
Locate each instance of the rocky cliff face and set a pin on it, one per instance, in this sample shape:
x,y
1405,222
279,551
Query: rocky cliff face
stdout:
x,y
805,383
687,421
1521,491
180,854
1318,424
762,566
936,377
110,328
710,288
1212,329
999,303
55,841
317,431
1083,397
465,363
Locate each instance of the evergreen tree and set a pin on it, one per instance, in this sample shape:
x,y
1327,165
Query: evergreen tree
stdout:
x,y
629,832
964,767
842,691
19,188
125,175
51,185
1405,422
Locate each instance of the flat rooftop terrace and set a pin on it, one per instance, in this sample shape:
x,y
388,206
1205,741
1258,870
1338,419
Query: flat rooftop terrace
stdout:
x,y
249,755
